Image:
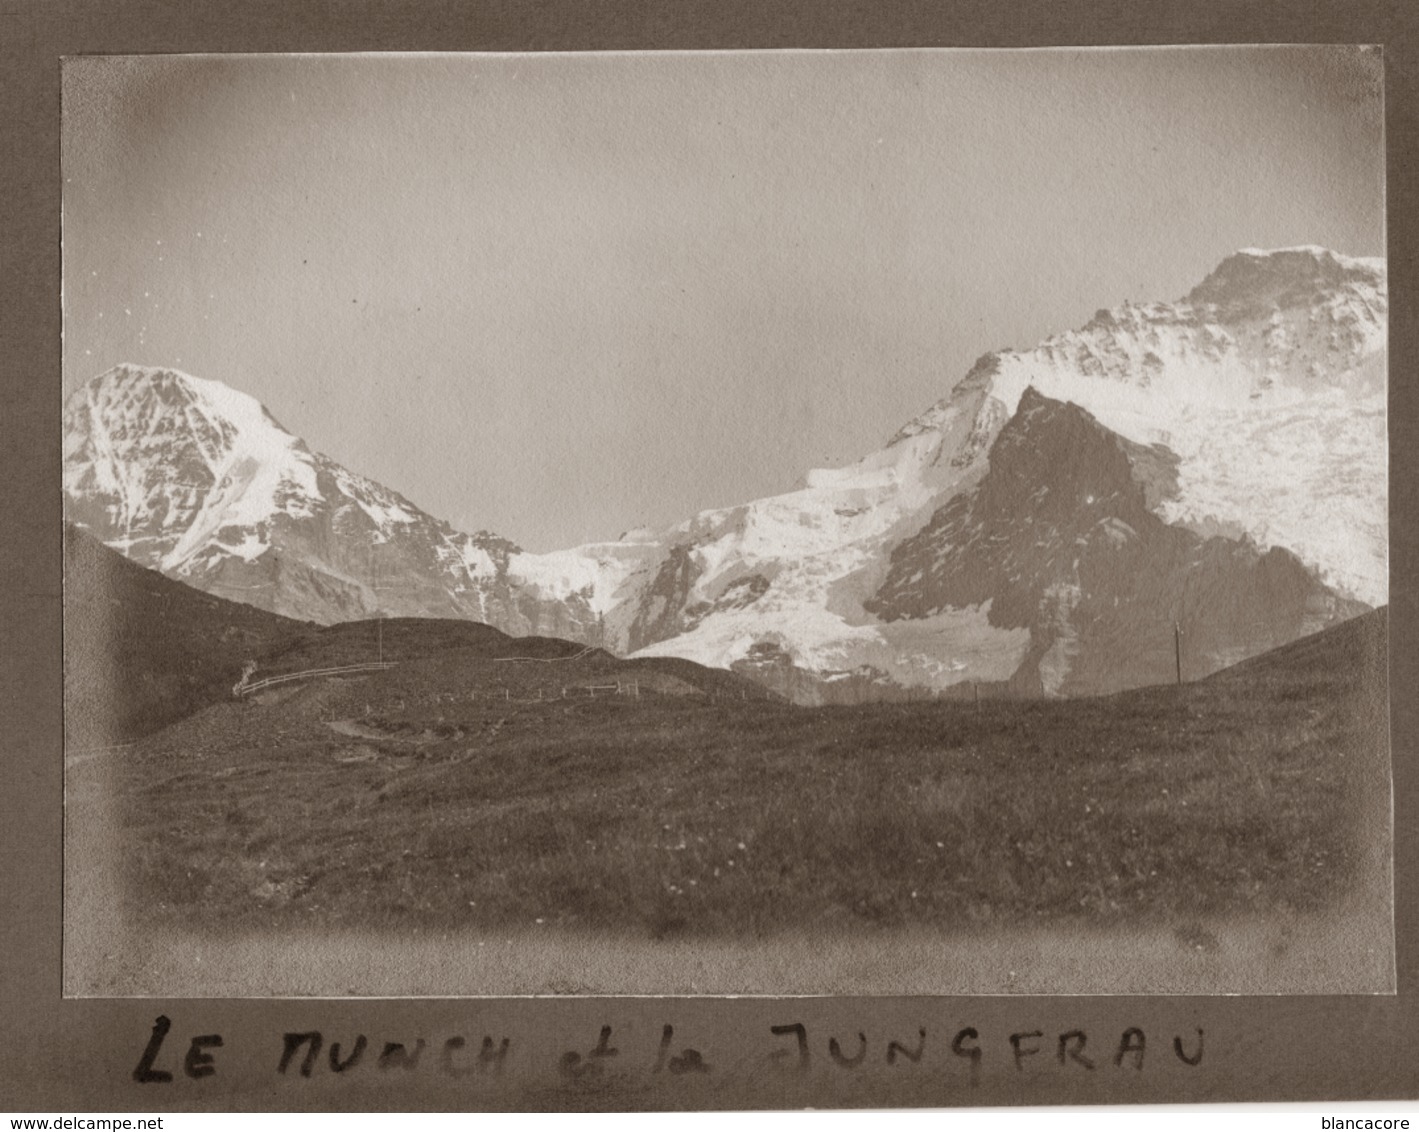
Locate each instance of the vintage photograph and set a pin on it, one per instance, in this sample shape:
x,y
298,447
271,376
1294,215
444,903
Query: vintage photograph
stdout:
x,y
902,522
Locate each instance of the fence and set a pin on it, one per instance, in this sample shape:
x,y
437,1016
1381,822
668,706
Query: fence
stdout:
x,y
631,688
549,659
309,674
620,687
84,754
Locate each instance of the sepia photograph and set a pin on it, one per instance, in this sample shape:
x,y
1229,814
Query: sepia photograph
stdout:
x,y
764,523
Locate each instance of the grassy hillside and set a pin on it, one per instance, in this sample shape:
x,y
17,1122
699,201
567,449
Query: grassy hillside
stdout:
x,y
461,790
141,650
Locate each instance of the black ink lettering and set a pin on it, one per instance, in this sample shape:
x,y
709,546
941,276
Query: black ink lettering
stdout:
x,y
960,1049
689,1062
1178,1049
570,1065
835,1051
293,1043
338,1066
603,1044
798,1029
1132,1042
145,1073
573,1065
453,1044
667,1032
1020,1052
896,1048
1071,1048
396,1056
199,1064
487,1056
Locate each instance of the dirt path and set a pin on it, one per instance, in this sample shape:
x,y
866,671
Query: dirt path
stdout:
x,y
90,753
353,730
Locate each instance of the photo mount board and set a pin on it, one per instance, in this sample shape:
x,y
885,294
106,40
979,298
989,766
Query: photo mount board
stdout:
x,y
94,1054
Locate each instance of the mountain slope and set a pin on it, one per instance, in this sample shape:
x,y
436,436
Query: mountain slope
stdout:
x,y
1255,407
141,650
1267,381
1347,663
198,480
1058,539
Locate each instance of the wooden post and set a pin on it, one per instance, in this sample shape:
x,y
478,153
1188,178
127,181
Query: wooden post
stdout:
x,y
1177,648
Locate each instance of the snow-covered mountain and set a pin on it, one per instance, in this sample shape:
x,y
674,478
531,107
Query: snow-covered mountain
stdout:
x,y
1249,417
197,480
1258,400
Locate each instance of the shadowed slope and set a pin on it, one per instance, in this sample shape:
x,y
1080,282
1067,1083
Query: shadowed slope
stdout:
x,y
141,650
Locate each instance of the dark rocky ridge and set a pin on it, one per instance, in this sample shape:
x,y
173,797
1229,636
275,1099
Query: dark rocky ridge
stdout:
x,y
1247,286
658,607
1059,538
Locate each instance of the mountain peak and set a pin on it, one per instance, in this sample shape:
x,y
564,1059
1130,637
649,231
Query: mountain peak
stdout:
x,y
199,481
1263,326
1297,253
1254,280
148,389
161,462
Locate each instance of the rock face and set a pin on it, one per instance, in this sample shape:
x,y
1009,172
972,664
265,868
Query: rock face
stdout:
x,y
1058,538
1233,443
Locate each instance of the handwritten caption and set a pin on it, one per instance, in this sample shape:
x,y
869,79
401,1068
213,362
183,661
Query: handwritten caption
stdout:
x,y
788,1046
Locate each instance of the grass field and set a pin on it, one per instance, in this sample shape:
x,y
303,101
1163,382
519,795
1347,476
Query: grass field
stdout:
x,y
443,800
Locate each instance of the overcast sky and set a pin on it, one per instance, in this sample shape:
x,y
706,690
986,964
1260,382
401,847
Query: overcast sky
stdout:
x,y
561,296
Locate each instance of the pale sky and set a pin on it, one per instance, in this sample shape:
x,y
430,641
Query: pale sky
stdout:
x,y
560,296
